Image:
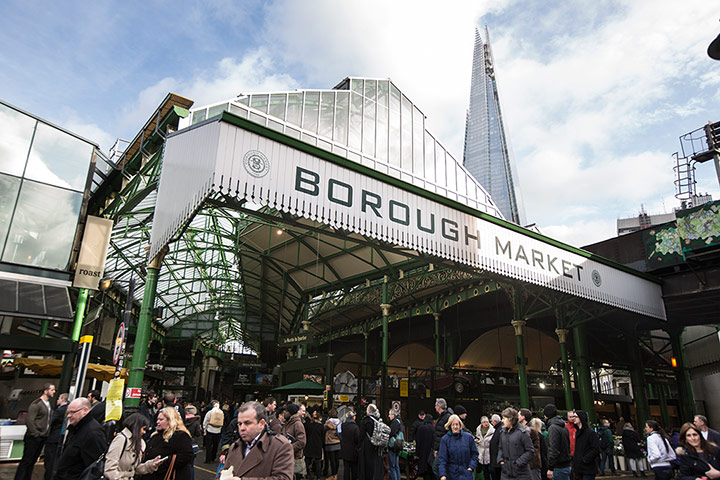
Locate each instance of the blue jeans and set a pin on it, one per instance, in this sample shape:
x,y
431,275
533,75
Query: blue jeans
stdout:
x,y
393,465
561,473
607,455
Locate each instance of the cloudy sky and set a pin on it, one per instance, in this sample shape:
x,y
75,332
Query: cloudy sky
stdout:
x,y
595,93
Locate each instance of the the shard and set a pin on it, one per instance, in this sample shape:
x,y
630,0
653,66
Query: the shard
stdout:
x,y
487,156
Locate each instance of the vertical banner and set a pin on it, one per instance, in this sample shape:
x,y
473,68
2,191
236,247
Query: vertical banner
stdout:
x,y
93,250
113,402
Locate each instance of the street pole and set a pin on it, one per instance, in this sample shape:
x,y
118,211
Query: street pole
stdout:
x,y
69,360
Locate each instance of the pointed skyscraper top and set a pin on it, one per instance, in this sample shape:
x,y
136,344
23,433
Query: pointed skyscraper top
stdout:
x,y
487,156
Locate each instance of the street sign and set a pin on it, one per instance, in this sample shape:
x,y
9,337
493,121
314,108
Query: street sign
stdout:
x,y
119,339
133,393
396,405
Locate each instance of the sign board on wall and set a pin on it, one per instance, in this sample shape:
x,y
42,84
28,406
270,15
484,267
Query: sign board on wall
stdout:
x,y
224,156
93,250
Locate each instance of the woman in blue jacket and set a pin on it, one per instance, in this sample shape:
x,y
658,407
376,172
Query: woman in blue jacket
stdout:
x,y
458,455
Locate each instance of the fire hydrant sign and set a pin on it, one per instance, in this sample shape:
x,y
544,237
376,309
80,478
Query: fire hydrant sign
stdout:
x,y
133,393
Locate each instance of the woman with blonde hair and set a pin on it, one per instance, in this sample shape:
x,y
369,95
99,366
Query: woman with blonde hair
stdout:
x,y
458,455
172,440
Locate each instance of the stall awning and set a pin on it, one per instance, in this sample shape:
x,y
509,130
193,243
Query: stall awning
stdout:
x,y
303,386
54,367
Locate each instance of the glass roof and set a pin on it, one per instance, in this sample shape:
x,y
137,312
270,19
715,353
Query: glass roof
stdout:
x,y
369,121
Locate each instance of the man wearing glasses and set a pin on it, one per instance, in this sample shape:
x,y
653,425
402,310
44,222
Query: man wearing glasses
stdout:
x,y
85,442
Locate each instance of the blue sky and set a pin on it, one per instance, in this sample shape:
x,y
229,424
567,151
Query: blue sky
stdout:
x,y
595,93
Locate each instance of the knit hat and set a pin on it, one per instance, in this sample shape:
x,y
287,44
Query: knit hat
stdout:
x,y
459,410
292,408
550,410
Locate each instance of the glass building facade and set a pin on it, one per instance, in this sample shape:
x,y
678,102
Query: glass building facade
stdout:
x,y
487,155
43,175
368,121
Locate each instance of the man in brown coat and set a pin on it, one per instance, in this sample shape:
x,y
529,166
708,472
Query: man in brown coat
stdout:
x,y
38,426
294,430
259,453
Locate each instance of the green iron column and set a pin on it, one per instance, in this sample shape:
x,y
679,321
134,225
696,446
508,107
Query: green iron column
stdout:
x,y
567,386
522,372
685,391
69,360
306,328
44,328
662,392
365,353
582,369
142,336
637,377
383,390
436,316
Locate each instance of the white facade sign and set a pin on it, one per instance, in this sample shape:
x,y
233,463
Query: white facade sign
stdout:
x,y
225,158
93,250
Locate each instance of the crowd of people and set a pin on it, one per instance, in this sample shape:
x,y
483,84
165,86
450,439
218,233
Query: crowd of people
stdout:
x,y
293,441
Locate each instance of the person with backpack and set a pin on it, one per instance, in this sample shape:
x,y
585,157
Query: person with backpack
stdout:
x,y
124,456
659,451
607,447
373,433
213,426
395,445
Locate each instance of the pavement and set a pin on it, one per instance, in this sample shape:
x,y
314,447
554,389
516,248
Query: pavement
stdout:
x,y
206,471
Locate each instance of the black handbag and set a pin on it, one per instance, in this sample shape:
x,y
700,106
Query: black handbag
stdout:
x,y
96,470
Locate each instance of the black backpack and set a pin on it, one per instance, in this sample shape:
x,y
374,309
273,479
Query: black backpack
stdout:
x,y
603,439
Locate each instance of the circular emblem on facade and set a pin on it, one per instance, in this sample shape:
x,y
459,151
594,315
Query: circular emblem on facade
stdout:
x,y
596,278
256,163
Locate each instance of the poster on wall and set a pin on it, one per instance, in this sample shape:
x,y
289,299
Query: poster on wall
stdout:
x,y
263,379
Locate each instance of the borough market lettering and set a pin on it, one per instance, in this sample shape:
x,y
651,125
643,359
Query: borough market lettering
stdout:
x,y
370,203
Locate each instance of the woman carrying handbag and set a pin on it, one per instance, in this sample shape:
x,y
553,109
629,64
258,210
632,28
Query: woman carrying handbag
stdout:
x,y
172,443
124,456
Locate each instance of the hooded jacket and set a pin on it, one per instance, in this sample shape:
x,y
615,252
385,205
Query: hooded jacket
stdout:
x,y
587,448
558,444
515,452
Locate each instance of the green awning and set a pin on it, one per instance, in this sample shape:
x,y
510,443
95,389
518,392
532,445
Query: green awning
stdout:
x,y
304,386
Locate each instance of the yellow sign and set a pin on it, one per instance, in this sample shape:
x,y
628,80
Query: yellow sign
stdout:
x,y
403,387
113,402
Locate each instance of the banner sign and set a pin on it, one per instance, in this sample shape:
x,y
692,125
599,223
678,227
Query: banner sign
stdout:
x,y
93,250
227,158
297,339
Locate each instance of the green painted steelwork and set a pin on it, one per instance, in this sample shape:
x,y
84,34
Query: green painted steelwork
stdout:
x,y
44,328
522,369
79,313
582,370
436,317
687,400
662,393
142,338
639,386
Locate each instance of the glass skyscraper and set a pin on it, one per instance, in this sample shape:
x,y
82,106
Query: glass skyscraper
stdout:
x,y
487,156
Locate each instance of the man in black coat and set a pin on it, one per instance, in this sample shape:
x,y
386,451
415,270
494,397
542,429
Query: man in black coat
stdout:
x,y
349,445
587,447
85,443
423,448
53,440
495,446
559,459
413,428
440,430
710,435
97,406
